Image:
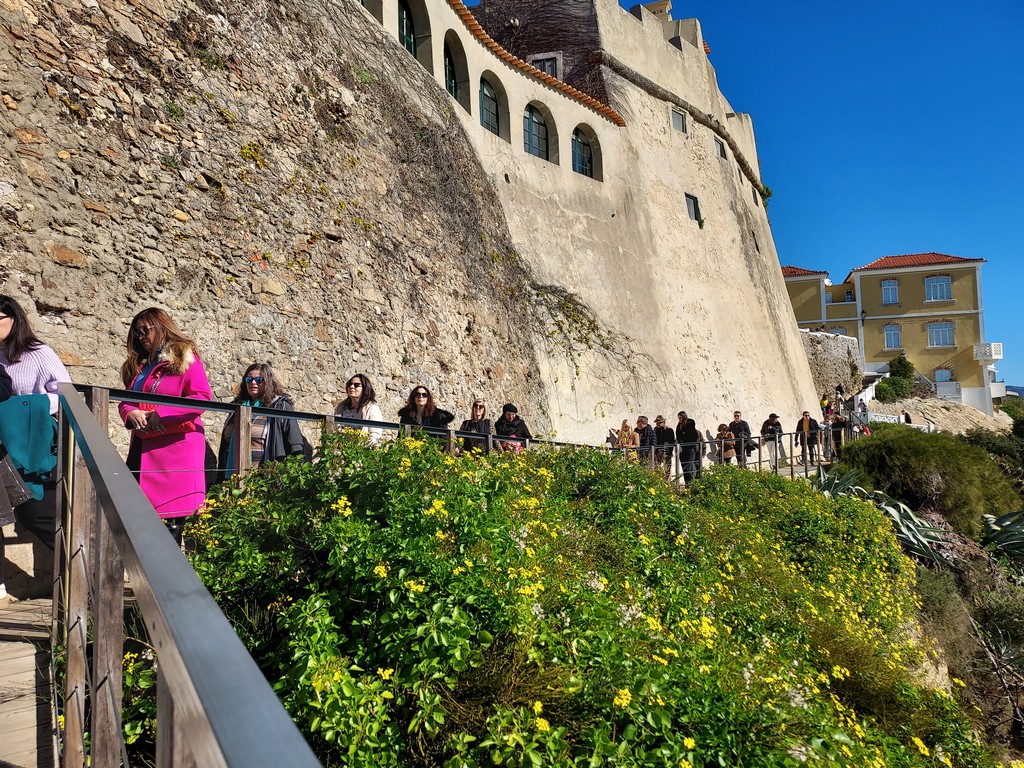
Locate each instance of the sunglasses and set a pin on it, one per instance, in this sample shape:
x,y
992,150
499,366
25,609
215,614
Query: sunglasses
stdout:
x,y
143,331
354,385
478,405
421,394
251,379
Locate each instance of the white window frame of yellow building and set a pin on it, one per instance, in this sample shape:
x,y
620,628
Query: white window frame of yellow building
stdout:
x,y
893,285
897,330
938,288
937,334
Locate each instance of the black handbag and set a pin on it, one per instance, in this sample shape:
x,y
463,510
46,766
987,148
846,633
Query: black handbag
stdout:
x,y
13,490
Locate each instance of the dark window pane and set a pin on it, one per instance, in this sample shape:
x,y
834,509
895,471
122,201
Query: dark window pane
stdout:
x,y
489,107
582,154
406,29
450,81
535,133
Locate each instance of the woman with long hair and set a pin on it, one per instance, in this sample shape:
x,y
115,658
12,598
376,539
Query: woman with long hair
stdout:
x,y
478,423
271,438
33,368
168,446
420,410
361,403
626,439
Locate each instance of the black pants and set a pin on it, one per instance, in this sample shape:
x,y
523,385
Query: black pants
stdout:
x,y
689,462
39,517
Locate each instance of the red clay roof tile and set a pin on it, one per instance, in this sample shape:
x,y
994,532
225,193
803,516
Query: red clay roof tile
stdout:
x,y
799,272
915,260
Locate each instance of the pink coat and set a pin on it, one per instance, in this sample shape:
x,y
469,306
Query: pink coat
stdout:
x,y
172,467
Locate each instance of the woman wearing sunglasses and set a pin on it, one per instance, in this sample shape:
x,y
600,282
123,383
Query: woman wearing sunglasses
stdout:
x,y
420,410
361,403
479,423
272,438
168,447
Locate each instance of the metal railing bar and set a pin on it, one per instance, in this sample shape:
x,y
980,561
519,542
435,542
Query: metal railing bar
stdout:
x,y
234,717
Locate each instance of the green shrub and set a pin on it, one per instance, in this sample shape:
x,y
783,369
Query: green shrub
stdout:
x,y
891,389
571,608
901,368
933,472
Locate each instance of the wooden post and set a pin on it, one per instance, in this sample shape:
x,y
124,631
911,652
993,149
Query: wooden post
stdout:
x,y
243,439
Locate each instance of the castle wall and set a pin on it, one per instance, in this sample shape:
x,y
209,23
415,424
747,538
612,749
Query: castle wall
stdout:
x,y
709,324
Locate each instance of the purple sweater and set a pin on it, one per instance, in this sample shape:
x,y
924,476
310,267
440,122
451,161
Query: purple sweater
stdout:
x,y
37,373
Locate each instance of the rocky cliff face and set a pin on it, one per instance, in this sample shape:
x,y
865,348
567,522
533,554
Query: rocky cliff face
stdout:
x,y
279,176
834,360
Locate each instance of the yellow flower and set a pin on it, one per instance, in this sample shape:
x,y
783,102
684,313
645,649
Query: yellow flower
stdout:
x,y
385,674
381,571
343,507
921,746
543,725
537,707
684,763
689,743
622,698
417,585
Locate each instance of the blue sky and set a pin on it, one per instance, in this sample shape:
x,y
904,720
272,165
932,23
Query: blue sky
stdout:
x,y
886,127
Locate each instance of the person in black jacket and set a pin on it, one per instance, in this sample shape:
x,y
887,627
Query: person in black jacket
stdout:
x,y
771,431
688,437
510,425
273,438
807,436
663,438
5,384
477,422
647,438
741,432
420,410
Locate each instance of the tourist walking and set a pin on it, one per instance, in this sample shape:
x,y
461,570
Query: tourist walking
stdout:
x,y
688,438
726,445
271,438
31,368
807,436
361,403
664,437
510,425
626,439
645,433
168,444
420,410
771,431
478,423
741,431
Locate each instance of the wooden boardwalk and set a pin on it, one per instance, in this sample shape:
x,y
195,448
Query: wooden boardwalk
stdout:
x,y
26,720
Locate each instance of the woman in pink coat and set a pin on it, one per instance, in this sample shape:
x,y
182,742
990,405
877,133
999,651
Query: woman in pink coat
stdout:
x,y
168,446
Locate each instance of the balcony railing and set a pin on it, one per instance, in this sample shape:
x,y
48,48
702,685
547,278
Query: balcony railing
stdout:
x,y
990,351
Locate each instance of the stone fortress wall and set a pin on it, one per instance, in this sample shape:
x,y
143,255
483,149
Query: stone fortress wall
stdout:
x,y
701,305
294,187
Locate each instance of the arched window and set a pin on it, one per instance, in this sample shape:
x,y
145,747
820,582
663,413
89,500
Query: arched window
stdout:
x,y
586,152
451,83
582,154
456,70
406,27
490,117
414,31
941,334
535,132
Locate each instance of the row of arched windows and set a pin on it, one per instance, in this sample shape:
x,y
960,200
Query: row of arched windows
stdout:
x,y
540,136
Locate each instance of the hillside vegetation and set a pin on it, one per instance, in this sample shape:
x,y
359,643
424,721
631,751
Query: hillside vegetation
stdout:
x,y
574,609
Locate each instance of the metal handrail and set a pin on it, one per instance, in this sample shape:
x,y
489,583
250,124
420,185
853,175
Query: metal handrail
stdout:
x,y
214,706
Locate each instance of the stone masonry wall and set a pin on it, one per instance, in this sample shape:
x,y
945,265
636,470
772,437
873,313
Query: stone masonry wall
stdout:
x,y
280,176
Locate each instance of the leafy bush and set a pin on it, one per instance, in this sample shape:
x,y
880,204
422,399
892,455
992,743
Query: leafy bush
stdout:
x,y
933,472
890,389
901,368
570,608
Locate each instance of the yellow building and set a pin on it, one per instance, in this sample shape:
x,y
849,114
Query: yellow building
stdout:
x,y
926,305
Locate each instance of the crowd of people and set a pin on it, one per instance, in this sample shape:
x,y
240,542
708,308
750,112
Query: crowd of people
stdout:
x,y
167,449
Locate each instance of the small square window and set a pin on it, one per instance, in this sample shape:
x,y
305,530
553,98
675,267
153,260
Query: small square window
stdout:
x,y
720,147
693,207
679,121
943,374
548,65
938,288
893,337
